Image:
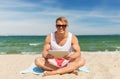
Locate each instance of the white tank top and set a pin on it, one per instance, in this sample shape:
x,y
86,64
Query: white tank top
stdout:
x,y
66,46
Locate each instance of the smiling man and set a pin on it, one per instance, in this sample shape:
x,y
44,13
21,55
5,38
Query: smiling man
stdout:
x,y
60,40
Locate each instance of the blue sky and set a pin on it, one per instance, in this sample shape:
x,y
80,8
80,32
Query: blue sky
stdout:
x,y
37,17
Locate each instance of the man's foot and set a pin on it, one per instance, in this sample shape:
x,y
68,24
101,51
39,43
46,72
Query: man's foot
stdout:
x,y
75,72
48,73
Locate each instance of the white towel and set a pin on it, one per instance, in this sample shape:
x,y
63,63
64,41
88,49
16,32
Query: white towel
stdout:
x,y
32,69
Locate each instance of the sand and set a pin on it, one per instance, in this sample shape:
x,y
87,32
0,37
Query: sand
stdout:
x,y
102,66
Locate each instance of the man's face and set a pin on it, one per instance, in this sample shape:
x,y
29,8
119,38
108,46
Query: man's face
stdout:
x,y
61,26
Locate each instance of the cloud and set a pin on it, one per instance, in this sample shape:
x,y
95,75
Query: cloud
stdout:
x,y
32,27
15,4
18,17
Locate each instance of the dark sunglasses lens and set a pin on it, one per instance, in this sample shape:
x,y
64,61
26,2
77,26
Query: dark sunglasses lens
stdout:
x,y
61,25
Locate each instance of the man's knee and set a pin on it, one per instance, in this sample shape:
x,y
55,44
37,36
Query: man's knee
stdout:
x,y
36,61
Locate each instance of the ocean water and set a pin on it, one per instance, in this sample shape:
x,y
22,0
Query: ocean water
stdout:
x,y
34,44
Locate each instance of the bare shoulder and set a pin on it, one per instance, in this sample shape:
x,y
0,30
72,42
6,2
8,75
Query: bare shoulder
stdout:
x,y
48,37
75,44
46,43
74,39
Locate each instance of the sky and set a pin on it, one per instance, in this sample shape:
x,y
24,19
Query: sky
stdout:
x,y
37,17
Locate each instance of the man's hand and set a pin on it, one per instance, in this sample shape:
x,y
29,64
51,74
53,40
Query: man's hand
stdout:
x,y
49,56
68,57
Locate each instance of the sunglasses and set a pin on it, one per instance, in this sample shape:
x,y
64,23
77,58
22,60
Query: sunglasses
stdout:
x,y
63,26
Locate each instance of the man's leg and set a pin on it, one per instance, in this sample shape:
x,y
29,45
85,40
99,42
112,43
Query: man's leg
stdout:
x,y
42,63
72,66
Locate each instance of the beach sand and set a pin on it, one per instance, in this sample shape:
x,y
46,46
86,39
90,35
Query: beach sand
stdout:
x,y
101,65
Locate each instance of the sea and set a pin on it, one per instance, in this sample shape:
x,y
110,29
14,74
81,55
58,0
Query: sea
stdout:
x,y
34,44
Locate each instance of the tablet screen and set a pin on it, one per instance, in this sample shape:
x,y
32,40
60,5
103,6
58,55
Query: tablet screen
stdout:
x,y
58,53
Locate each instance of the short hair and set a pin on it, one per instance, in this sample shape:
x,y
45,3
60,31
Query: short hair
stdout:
x,y
62,19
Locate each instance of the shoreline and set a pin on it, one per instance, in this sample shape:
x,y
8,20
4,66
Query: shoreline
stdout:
x,y
101,65
36,53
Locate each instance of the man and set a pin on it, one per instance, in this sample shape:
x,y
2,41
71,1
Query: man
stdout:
x,y
60,40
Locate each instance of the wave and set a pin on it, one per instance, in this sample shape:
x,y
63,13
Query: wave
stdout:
x,y
118,47
4,53
34,44
29,53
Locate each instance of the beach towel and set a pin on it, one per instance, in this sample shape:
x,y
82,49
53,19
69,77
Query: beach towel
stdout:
x,y
32,69
37,70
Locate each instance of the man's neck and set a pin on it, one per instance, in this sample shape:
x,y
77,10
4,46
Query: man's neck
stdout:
x,y
61,35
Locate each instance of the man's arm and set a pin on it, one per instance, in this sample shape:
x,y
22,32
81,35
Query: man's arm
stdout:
x,y
75,47
46,46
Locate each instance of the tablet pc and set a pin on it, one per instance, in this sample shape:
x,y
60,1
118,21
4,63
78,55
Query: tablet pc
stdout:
x,y
58,53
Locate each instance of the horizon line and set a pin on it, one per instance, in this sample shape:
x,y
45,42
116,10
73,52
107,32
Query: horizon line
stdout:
x,y
75,34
